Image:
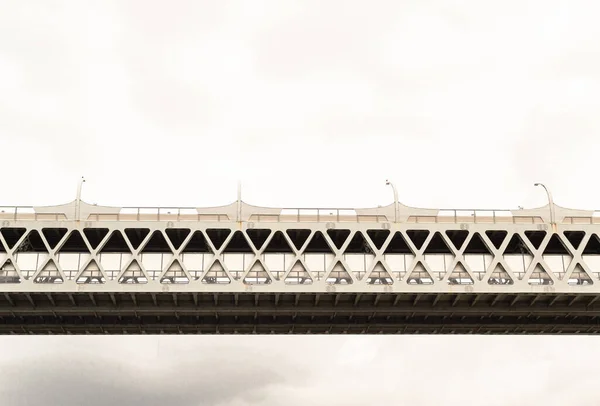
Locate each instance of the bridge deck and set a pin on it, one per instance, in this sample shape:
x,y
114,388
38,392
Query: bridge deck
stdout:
x,y
244,313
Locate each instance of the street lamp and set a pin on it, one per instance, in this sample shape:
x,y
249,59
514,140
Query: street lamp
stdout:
x,y
78,201
239,201
550,202
388,183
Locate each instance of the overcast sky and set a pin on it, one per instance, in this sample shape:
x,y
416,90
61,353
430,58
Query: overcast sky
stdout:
x,y
463,104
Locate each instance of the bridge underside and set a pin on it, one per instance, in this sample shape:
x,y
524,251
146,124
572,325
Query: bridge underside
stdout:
x,y
303,313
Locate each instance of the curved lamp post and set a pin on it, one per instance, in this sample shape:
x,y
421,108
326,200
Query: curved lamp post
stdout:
x,y
550,203
239,201
388,183
78,200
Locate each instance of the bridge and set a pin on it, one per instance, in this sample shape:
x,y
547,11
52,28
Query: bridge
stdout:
x,y
241,269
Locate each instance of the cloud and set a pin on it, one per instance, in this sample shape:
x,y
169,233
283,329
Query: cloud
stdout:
x,y
199,375
297,370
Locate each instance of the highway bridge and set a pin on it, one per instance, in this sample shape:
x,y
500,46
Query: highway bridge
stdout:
x,y
241,269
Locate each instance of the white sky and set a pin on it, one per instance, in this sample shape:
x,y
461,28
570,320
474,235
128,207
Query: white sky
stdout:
x,y
463,104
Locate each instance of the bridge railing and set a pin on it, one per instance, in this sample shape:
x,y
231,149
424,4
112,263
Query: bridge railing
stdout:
x,y
28,213
475,216
318,215
443,216
297,215
158,214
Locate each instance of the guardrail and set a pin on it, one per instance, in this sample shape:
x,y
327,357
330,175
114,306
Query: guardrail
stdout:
x,y
456,216
318,215
28,213
158,214
298,215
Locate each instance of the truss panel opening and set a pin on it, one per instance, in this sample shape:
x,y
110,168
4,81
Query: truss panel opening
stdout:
x,y
497,237
574,237
32,243
398,256
457,237
216,275
157,244
31,254
238,255
278,256
175,275
198,244
218,236
155,263
359,256
500,277
339,275
398,245
136,236
257,275
438,256
95,235
298,237
518,256
177,236
91,274
71,263
116,243
113,263
539,276
379,276
12,235
579,277
557,257
317,244
418,237
593,246
49,274
536,238
54,235
29,263
358,245
419,276
74,244
318,256
460,276
8,273
338,236
437,245
379,237
278,245
133,274
591,255
258,236
238,244
478,256
197,255
298,275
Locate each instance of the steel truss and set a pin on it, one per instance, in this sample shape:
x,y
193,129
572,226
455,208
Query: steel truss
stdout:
x,y
268,273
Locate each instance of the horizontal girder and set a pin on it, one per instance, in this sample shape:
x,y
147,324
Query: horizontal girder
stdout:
x,y
107,313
